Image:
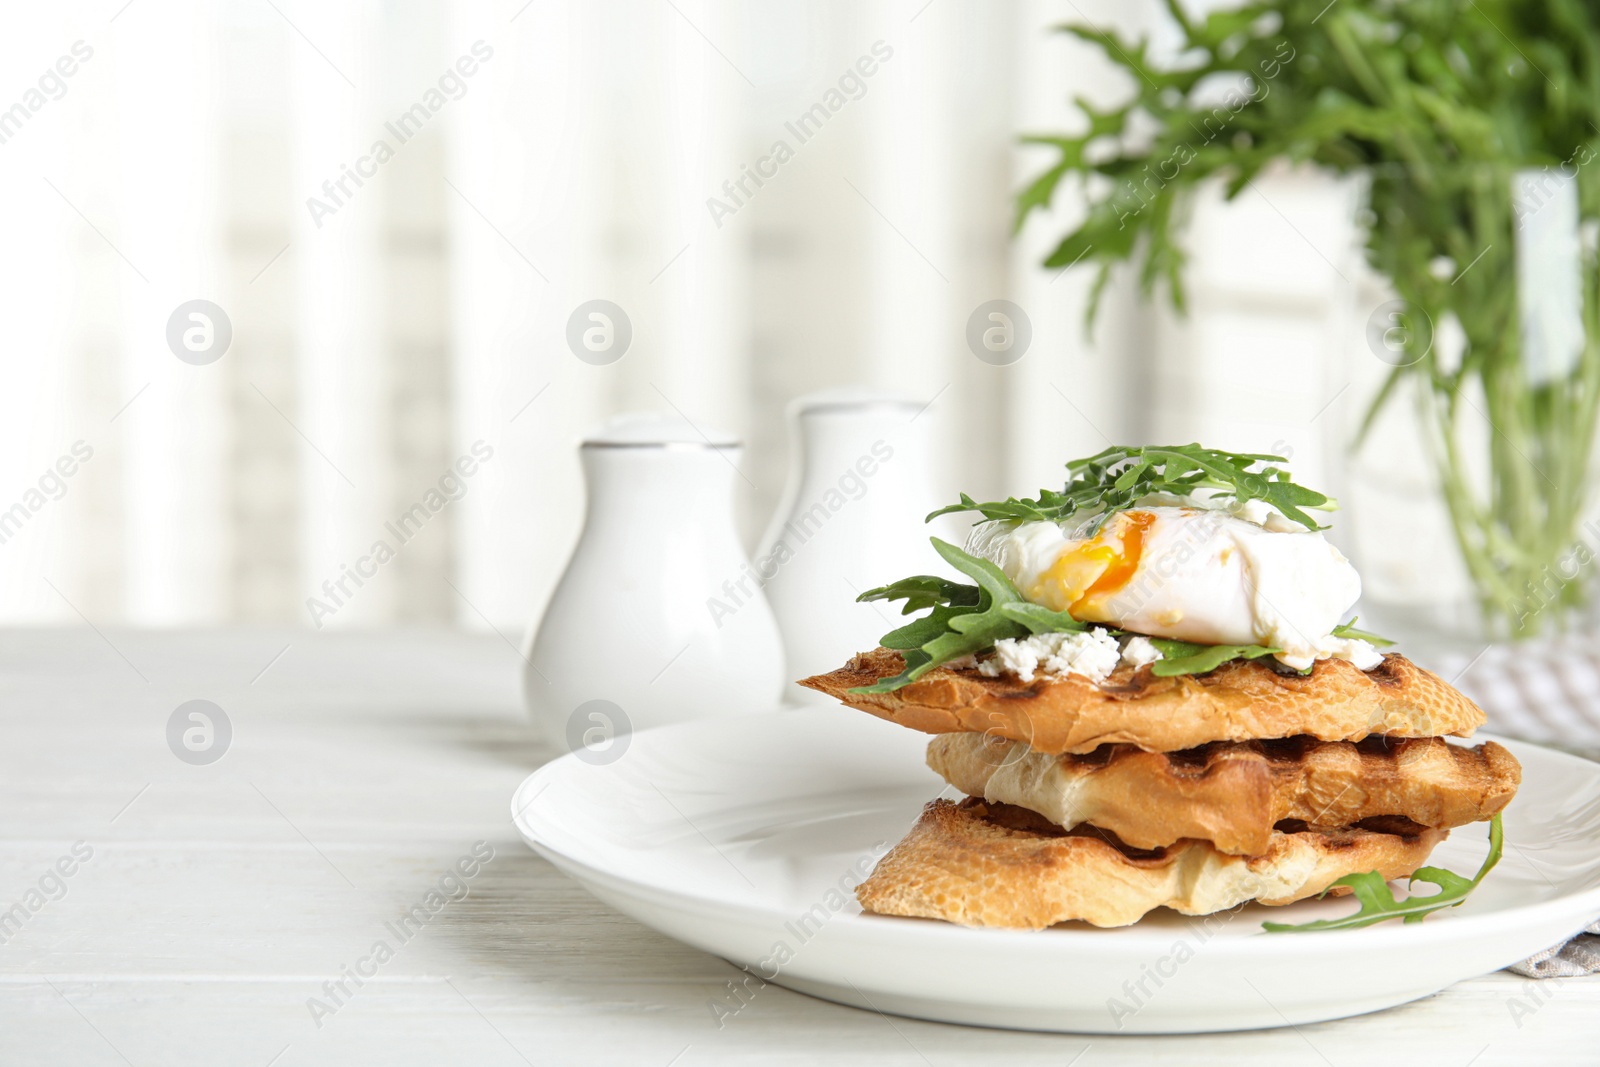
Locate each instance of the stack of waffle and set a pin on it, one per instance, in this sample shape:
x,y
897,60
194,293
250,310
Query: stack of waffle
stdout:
x,y
1100,802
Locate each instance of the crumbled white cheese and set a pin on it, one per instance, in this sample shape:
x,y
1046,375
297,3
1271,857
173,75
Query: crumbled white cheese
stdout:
x,y
1138,651
1357,651
1093,654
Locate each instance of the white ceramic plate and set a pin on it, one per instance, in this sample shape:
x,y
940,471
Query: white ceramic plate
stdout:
x,y
744,837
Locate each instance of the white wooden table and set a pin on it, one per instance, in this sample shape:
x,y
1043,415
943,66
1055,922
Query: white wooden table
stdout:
x,y
219,899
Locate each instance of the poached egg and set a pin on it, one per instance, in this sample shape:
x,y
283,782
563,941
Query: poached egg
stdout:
x,y
1194,571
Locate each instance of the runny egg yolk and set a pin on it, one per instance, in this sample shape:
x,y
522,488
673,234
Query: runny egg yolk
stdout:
x,y
1095,568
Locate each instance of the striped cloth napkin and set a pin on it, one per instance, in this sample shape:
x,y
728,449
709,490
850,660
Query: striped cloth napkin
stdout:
x,y
1544,691
1571,959
1548,692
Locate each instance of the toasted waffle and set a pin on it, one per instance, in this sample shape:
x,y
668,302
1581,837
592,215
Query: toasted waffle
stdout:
x,y
1239,701
982,864
1233,793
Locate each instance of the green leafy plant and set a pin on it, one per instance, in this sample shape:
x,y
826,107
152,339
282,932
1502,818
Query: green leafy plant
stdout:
x,y
1119,477
1377,899
1433,105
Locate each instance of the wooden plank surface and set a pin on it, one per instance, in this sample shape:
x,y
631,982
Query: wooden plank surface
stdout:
x,y
216,901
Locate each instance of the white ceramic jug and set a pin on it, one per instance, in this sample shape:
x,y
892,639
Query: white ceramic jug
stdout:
x,y
860,482
630,639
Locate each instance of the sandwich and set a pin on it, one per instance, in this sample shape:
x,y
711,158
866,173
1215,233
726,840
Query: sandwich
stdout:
x,y
1148,696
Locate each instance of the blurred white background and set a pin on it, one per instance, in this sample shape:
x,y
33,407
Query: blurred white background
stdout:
x,y
375,343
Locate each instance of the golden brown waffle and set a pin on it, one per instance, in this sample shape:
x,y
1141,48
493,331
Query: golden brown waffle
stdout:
x,y
1233,793
980,864
1239,701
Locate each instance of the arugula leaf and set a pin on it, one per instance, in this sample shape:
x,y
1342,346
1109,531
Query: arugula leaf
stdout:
x,y
1185,657
1118,478
965,619
923,591
1377,899
948,599
1041,620
919,632
1348,630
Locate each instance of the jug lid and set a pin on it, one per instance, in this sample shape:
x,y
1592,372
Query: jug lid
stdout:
x,y
850,398
656,430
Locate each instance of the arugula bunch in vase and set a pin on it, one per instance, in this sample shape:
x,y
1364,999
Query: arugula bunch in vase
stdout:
x,y
1434,105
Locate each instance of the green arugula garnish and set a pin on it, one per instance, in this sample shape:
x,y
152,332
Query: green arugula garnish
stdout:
x,y
1348,630
924,591
1377,899
1119,477
965,620
1185,657
1041,620
968,619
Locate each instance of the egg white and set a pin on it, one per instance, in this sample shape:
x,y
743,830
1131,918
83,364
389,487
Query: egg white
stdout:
x,y
1203,574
